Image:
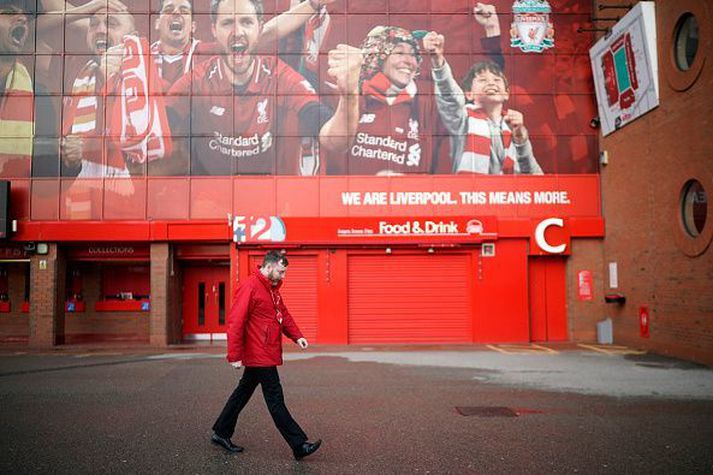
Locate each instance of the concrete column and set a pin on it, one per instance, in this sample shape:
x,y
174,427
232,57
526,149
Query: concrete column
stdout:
x,y
47,292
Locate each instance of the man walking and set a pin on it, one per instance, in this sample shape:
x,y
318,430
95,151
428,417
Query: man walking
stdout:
x,y
256,321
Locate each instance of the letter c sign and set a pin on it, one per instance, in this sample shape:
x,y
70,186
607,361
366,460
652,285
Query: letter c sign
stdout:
x,y
540,235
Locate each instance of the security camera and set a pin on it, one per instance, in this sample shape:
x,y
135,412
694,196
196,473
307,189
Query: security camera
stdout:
x,y
595,123
29,247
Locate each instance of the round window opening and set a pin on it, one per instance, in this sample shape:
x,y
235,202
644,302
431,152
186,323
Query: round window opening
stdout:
x,y
694,208
686,42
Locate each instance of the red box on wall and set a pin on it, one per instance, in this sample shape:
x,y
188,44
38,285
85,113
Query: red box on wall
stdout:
x,y
5,306
122,305
25,307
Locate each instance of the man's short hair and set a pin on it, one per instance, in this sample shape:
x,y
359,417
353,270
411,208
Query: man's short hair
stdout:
x,y
161,2
480,67
275,257
214,4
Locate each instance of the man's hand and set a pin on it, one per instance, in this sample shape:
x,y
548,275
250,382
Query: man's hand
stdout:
x,y
303,343
344,66
111,60
516,122
434,43
72,146
236,364
487,17
318,4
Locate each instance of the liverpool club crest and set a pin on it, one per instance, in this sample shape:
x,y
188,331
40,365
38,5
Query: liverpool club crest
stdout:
x,y
532,30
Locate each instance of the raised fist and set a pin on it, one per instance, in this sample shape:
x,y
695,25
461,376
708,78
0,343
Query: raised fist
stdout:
x,y
515,120
487,17
344,66
433,43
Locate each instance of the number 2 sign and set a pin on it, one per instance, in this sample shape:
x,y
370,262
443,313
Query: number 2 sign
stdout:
x,y
247,229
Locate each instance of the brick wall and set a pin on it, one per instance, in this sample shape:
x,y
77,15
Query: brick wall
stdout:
x,y
649,160
93,326
46,298
165,296
583,315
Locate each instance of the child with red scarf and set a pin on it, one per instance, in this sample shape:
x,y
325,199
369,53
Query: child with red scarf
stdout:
x,y
485,137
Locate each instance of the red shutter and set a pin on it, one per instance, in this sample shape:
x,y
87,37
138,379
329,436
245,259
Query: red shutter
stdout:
x,y
416,298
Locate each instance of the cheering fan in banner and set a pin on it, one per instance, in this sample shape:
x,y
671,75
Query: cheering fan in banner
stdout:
x,y
16,92
177,51
390,125
486,137
238,124
121,78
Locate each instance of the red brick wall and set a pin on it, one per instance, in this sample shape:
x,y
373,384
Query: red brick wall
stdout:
x,y
649,160
46,298
583,315
93,326
165,296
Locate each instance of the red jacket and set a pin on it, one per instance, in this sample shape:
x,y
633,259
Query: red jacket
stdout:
x,y
254,328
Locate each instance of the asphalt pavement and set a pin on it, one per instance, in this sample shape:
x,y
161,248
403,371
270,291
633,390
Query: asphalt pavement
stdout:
x,y
500,409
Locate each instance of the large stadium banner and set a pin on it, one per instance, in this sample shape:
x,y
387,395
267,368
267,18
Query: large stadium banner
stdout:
x,y
130,109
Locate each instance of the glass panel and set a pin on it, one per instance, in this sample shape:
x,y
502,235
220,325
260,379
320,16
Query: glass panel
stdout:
x,y
221,303
686,42
201,304
695,208
26,268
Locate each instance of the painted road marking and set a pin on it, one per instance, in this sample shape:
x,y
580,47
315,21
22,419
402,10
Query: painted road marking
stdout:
x,y
522,349
86,355
611,349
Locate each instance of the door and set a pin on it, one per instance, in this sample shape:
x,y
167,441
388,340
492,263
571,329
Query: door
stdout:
x,y
548,299
205,302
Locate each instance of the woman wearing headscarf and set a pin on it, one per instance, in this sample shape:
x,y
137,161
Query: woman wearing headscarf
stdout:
x,y
388,125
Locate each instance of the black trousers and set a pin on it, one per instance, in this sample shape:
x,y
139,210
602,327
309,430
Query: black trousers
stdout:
x,y
272,391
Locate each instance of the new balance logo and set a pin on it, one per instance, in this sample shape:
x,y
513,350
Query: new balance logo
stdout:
x,y
367,119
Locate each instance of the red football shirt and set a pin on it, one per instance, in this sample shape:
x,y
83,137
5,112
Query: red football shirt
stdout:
x,y
242,131
390,138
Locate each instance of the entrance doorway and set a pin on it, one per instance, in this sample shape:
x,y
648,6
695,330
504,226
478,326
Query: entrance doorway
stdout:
x,y
548,299
205,302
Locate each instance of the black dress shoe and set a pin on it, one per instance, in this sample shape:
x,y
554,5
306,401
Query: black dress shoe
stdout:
x,y
225,443
308,448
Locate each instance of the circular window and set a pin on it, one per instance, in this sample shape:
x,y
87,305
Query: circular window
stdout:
x,y
694,208
686,41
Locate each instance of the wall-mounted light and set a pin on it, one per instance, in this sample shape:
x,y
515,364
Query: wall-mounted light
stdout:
x,y
42,248
431,250
388,250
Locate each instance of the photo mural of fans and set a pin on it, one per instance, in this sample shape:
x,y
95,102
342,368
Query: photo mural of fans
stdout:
x,y
122,90
16,88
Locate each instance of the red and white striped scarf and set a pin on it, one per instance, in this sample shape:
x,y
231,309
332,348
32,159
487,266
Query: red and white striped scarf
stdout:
x,y
316,30
478,144
17,126
139,123
136,116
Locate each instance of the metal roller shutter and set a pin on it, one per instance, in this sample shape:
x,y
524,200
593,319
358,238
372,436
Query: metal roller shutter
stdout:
x,y
409,299
299,291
